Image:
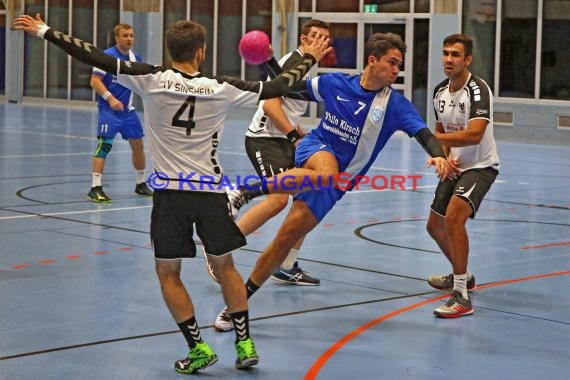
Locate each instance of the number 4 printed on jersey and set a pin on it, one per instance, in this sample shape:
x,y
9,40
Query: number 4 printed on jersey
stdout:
x,y
189,124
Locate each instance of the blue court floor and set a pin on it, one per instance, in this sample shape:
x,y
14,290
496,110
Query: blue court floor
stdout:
x,y
80,300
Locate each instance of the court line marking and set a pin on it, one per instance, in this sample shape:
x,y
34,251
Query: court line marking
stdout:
x,y
332,350
546,245
39,215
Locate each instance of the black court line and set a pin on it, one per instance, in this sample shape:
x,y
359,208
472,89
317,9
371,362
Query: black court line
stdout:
x,y
268,317
150,335
358,232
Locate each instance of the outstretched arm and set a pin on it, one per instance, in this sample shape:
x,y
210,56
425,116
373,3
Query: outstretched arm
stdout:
x,y
78,49
292,78
433,147
299,89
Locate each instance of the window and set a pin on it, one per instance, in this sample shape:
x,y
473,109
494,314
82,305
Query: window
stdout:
x,y
479,22
554,74
518,48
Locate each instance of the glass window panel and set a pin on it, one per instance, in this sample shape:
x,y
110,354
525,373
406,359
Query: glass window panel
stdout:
x,y
203,12
33,58
420,68
305,5
229,30
554,73
421,6
82,28
174,10
107,18
344,42
518,48
479,21
258,16
57,16
392,6
2,54
338,6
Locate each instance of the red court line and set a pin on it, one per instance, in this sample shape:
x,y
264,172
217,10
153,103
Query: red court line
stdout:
x,y
322,360
546,245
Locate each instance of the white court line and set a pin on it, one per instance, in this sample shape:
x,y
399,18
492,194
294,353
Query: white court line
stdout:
x,y
71,213
58,154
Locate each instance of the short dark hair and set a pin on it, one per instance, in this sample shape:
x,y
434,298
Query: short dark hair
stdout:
x,y
378,45
184,38
306,28
463,39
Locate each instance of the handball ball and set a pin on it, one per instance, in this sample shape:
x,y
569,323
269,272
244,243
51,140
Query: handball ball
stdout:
x,y
254,47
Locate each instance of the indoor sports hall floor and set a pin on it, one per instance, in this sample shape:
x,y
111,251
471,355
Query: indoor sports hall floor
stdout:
x,y
80,300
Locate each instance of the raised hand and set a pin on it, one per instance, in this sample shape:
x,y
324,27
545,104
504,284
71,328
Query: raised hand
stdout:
x,y
29,24
319,46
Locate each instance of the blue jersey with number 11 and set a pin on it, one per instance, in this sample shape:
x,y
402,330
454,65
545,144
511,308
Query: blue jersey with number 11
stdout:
x,y
358,123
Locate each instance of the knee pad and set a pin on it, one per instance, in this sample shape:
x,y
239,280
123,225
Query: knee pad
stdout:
x,y
104,147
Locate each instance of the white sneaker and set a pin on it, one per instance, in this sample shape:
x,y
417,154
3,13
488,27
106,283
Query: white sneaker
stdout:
x,y
236,199
209,266
224,321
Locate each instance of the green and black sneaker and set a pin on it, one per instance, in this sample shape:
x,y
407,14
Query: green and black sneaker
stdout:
x,y
96,194
247,356
199,357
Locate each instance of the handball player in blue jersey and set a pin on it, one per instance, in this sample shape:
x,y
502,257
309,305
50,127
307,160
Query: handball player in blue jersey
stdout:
x,y
361,113
117,115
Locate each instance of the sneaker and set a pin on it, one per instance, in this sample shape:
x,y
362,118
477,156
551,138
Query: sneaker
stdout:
x,y
199,357
224,321
445,282
209,266
143,189
294,276
96,194
237,200
247,356
455,307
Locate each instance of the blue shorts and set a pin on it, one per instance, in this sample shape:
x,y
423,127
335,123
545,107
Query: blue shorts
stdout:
x,y
320,202
126,123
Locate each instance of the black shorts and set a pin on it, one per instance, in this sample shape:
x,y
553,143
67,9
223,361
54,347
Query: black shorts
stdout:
x,y
270,155
471,186
174,214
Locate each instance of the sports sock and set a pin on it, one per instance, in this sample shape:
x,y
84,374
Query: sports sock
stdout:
x,y
241,324
191,332
251,288
460,284
290,260
96,179
140,176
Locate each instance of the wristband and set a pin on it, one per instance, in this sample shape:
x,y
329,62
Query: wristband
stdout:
x,y
42,30
293,136
106,95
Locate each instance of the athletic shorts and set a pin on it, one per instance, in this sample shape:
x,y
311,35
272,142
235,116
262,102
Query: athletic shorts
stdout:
x,y
471,186
126,123
174,215
309,145
270,155
320,202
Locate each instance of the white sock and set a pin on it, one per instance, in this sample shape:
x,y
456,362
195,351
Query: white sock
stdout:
x,y
460,284
469,274
290,259
140,176
96,179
